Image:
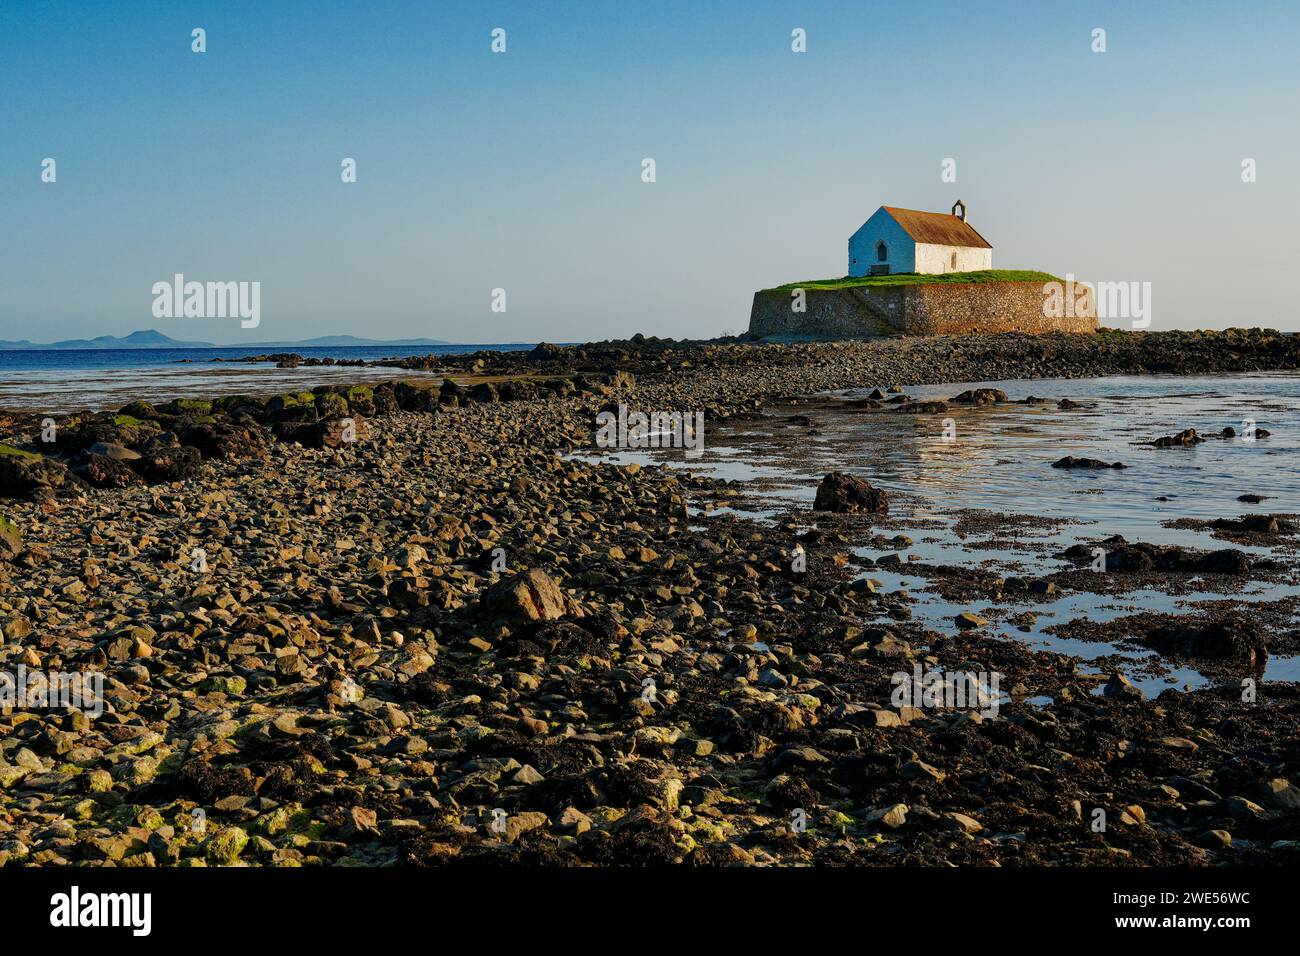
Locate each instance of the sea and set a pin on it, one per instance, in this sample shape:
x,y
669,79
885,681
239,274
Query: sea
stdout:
x,y
996,460
59,381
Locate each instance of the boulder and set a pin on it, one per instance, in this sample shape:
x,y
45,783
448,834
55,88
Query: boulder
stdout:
x,y
1120,687
1184,439
523,598
241,438
361,400
325,434
1069,461
332,405
847,494
544,352
169,463
115,452
104,471
1237,640
980,396
22,473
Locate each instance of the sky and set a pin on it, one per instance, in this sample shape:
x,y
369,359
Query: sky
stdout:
x,y
523,170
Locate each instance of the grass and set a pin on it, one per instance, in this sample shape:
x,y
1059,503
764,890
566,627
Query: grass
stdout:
x,y
912,278
9,451
10,531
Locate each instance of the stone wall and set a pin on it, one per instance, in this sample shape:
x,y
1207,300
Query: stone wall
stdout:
x,y
924,309
829,314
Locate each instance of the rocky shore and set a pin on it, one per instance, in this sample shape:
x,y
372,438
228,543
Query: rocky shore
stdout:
x,y
398,624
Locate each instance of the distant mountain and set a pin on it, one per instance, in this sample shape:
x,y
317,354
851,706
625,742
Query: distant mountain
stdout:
x,y
153,339
147,339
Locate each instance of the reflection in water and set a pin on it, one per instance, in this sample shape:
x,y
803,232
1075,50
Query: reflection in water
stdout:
x,y
1000,461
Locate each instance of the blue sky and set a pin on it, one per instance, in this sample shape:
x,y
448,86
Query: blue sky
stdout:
x,y
522,170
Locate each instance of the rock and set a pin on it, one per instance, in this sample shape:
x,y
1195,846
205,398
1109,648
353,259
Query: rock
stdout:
x,y
1236,640
239,438
23,473
527,776
1255,524
1120,687
163,464
518,824
1214,840
799,757
1280,794
524,598
332,405
361,400
893,816
880,719
1142,558
339,686
980,396
113,451
11,539
1239,808
923,408
1192,790
573,822
1069,461
545,352
224,683
968,619
361,820
224,846
341,432
919,770
847,494
102,471
1184,439
410,555
960,821
1132,815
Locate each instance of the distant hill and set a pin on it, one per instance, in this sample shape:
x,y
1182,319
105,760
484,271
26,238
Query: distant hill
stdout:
x,y
153,339
149,339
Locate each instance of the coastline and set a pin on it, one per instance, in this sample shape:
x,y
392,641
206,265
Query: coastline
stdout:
x,y
352,678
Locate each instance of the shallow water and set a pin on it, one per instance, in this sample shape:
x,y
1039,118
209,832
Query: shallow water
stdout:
x,y
1000,461
65,380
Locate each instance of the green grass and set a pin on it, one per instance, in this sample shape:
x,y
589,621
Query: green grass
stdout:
x,y
911,278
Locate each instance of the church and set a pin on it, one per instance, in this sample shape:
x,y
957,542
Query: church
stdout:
x,y
898,240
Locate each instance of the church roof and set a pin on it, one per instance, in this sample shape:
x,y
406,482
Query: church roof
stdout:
x,y
937,228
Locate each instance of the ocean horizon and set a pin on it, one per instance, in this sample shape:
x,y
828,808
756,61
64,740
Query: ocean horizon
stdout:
x,y
63,380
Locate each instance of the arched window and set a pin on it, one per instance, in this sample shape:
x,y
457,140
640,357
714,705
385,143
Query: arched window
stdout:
x,y
954,262
882,252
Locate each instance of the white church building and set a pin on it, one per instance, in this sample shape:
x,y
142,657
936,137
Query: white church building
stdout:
x,y
907,240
